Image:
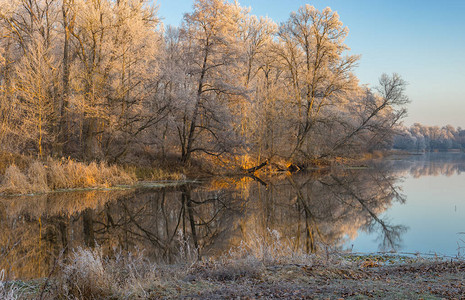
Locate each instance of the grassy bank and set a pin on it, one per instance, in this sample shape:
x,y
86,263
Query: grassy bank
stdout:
x,y
42,177
27,175
90,275
24,175
261,268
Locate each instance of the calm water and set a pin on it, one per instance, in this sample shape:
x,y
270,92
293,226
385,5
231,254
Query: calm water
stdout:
x,y
408,205
433,213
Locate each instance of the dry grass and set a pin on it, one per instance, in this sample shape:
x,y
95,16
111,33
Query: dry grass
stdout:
x,y
91,275
271,248
14,181
8,291
85,276
268,248
160,174
265,267
41,177
154,173
7,159
37,175
376,154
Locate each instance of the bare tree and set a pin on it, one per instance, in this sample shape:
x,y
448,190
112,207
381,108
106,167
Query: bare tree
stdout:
x,y
31,71
35,89
376,115
116,46
318,72
100,79
211,45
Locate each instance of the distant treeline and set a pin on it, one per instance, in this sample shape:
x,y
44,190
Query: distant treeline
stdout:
x,y
106,80
419,137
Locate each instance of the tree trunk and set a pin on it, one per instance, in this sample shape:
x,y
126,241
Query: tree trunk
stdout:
x,y
63,117
186,155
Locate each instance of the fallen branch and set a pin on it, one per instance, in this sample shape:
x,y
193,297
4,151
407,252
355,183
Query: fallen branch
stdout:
x,y
259,180
254,169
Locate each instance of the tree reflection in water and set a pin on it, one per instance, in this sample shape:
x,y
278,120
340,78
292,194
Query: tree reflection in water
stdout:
x,y
195,221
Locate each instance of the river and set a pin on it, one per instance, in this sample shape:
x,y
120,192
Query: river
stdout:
x,y
407,205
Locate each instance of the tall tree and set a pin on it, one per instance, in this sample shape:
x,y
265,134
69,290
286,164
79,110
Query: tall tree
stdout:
x,y
211,39
31,27
313,47
116,45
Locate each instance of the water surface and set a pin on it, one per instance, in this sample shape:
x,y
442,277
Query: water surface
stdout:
x,y
433,212
407,204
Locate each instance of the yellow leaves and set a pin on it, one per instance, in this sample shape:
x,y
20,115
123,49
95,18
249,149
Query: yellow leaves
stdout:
x,y
370,263
246,161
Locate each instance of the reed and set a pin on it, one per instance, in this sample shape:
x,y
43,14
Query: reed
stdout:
x,y
42,177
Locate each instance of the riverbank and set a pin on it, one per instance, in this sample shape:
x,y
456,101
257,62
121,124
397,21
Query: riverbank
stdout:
x,y
35,232
89,275
26,175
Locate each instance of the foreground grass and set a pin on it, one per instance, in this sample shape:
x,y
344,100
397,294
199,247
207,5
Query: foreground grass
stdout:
x,y
90,275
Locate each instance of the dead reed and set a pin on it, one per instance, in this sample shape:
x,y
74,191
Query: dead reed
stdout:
x,y
89,274
41,177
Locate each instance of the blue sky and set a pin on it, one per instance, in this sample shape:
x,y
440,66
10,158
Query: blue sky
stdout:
x,y
423,41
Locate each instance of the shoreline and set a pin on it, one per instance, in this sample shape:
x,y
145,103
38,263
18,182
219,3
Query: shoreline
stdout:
x,y
312,276
109,177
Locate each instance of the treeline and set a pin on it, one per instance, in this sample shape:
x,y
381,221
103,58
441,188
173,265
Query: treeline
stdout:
x,y
105,80
420,137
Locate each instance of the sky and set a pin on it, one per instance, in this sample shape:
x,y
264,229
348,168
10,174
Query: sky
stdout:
x,y
422,40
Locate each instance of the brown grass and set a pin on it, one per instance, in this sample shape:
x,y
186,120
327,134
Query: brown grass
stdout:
x,y
91,275
271,248
15,182
154,173
373,155
7,159
265,267
37,175
41,177
88,274
85,276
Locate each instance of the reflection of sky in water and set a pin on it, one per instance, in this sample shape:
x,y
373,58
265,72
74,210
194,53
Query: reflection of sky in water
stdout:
x,y
308,211
434,211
